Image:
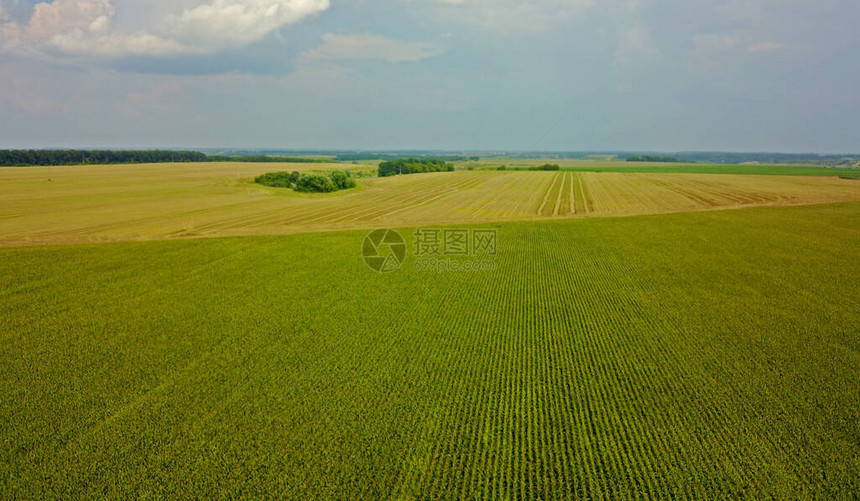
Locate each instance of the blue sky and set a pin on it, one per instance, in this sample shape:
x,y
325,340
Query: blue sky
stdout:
x,y
735,75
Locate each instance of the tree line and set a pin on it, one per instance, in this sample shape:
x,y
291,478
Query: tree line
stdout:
x,y
85,157
354,157
264,159
652,158
21,158
413,166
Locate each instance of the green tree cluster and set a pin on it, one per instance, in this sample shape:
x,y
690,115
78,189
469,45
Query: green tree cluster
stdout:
x,y
308,183
275,179
413,166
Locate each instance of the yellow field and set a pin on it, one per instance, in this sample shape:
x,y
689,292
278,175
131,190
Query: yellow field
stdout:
x,y
141,202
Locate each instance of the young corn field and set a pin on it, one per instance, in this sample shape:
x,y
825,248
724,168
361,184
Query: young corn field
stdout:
x,y
694,355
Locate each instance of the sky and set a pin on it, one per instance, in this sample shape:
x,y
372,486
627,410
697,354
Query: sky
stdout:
x,y
465,75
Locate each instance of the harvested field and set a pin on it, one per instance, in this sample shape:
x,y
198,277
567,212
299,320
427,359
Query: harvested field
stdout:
x,y
129,203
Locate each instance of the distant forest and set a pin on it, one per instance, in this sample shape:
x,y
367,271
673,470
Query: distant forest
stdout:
x,y
652,158
355,157
87,157
265,159
98,157
13,158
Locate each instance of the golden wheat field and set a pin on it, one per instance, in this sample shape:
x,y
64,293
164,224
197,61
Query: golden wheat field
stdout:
x,y
79,204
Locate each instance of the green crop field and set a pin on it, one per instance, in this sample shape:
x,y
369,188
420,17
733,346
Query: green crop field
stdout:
x,y
691,355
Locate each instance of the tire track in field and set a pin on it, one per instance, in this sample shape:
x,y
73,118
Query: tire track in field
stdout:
x,y
547,195
410,195
422,202
523,206
572,200
691,194
555,210
375,212
735,194
587,203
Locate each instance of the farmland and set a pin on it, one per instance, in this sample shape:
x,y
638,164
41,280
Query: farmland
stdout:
x,y
86,204
322,250
611,165
697,355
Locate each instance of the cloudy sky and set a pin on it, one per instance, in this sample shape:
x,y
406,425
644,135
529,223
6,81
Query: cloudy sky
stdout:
x,y
669,75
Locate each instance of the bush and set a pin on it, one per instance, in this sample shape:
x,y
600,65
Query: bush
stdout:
x,y
502,167
315,183
343,180
275,179
294,177
545,167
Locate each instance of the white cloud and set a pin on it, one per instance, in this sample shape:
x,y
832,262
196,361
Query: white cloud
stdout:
x,y
91,43
8,29
50,19
84,28
765,47
241,22
368,46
